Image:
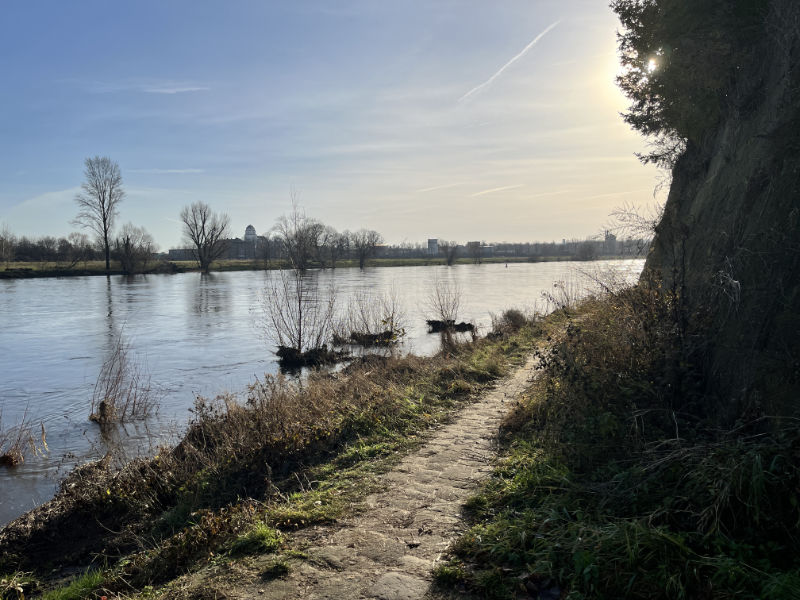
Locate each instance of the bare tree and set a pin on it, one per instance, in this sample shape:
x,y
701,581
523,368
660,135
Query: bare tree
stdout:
x,y
338,245
99,200
297,316
444,301
207,231
299,235
372,319
330,246
82,248
449,249
475,252
364,242
7,243
133,248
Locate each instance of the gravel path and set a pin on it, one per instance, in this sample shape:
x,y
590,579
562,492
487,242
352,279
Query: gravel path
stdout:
x,y
388,549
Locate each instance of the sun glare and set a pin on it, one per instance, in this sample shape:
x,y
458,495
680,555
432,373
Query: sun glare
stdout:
x,y
652,65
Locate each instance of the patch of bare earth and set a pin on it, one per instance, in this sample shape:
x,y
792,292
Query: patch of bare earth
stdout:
x,y
388,548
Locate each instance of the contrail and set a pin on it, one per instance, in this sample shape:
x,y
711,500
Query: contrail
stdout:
x,y
500,189
475,90
437,187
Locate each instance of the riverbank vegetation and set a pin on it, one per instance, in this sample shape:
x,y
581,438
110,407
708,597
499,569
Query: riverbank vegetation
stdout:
x,y
371,319
18,441
123,390
250,472
620,480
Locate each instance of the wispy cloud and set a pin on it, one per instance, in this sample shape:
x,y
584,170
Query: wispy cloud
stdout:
x,y
167,171
143,86
175,89
437,187
499,72
493,190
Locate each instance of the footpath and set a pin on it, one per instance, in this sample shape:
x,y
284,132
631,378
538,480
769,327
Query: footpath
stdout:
x,y
389,547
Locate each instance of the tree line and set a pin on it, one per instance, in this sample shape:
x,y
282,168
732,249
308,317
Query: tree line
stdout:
x,y
98,204
300,240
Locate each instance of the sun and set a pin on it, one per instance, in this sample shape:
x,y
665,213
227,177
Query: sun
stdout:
x,y
652,65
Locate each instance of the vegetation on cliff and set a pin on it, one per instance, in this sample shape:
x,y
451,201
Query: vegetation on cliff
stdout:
x,y
617,481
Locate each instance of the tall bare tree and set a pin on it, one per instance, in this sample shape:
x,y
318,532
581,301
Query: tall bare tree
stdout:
x,y
7,242
99,199
365,242
206,231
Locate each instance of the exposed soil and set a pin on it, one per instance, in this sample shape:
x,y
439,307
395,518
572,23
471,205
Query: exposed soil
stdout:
x,y
388,548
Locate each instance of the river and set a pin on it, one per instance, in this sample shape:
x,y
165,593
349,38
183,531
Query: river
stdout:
x,y
199,335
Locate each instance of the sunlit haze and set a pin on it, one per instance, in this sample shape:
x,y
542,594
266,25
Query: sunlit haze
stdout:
x,y
494,121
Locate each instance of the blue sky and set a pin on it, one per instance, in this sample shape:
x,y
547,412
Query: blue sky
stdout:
x,y
419,119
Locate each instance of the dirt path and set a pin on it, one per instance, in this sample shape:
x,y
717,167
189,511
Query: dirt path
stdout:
x,y
389,548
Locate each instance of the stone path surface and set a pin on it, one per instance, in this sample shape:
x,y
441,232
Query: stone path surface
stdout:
x,y
388,550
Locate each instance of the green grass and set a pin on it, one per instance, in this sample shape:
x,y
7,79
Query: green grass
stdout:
x,y
261,539
79,589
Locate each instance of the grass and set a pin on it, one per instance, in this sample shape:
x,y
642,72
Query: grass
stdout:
x,y
261,539
80,588
249,473
15,585
619,481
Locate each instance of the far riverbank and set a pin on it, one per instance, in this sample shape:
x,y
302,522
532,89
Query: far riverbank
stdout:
x,y
27,270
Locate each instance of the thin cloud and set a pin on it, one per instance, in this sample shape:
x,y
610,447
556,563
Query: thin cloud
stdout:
x,y
145,86
499,72
493,190
437,187
175,89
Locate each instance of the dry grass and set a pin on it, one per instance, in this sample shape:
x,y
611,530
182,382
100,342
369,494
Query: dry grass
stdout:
x,y
123,390
18,441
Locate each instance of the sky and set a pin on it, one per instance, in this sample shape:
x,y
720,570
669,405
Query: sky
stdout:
x,y
457,119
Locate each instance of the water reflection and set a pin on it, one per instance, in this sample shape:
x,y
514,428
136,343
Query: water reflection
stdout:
x,y
209,295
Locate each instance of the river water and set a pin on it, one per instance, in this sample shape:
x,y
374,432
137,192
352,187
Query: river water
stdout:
x,y
199,335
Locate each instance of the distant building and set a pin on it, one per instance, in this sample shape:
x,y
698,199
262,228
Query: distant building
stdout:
x,y
433,246
250,234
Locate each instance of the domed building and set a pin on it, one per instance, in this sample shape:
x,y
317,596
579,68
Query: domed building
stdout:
x,y
250,234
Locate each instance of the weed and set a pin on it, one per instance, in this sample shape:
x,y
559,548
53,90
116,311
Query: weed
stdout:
x,y
15,585
17,441
261,539
122,391
79,589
